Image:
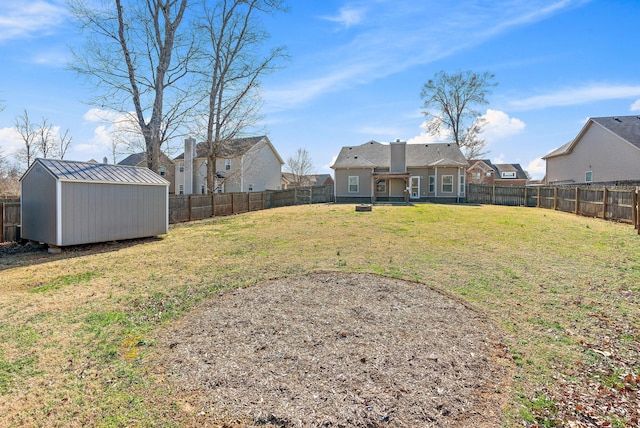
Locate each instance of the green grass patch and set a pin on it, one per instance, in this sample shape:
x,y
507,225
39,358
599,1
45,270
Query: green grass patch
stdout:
x,y
65,281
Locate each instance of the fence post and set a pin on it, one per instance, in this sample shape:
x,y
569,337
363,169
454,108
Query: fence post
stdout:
x,y
604,203
2,222
262,199
539,192
190,206
213,204
577,207
555,198
634,207
493,195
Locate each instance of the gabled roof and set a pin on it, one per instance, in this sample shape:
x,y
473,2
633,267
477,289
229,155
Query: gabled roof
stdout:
x,y
233,148
377,155
69,171
134,159
625,127
510,167
483,164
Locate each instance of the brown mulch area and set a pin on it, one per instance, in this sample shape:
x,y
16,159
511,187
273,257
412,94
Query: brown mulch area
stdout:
x,y
339,350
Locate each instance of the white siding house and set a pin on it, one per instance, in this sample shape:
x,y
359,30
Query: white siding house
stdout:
x,y
244,165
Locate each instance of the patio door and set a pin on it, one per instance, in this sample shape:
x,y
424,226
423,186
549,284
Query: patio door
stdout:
x,y
414,187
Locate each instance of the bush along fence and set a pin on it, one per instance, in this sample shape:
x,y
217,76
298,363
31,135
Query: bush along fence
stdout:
x,y
196,207
615,204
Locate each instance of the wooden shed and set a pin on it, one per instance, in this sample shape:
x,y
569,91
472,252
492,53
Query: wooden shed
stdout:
x,y
70,203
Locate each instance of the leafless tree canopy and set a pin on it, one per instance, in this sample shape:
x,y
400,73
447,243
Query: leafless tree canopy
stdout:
x,y
137,52
232,64
450,102
29,133
300,165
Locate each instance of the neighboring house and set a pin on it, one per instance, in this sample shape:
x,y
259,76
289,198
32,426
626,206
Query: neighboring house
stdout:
x,y
244,165
504,174
399,171
607,149
289,180
167,168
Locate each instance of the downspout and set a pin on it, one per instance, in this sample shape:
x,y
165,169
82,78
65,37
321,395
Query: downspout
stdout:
x,y
242,173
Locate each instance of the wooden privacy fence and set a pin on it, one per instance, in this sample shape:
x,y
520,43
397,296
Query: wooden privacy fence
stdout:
x,y
9,220
616,204
196,207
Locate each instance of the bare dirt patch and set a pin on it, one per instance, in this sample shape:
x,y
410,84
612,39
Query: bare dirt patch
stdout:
x,y
339,350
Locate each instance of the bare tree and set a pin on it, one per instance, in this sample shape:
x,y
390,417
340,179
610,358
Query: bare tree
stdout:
x,y
45,142
232,68
449,102
137,54
29,134
64,142
300,165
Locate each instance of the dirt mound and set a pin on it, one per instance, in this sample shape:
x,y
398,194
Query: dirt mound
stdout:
x,y
339,350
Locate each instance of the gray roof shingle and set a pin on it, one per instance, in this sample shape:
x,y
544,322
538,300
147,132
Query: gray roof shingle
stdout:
x,y
377,155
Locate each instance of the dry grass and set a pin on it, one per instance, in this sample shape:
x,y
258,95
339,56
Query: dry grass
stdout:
x,y
78,330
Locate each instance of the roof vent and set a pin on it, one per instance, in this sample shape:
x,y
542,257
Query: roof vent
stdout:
x,y
397,140
448,145
617,119
355,157
426,145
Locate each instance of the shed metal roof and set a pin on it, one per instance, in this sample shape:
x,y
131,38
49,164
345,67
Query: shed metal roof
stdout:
x,y
100,173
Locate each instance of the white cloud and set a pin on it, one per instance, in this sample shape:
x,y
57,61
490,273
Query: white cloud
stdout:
x,y
347,17
635,106
575,96
426,138
500,126
101,115
536,168
20,19
10,142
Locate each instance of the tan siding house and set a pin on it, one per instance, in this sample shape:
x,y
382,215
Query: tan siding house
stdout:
x,y
607,149
399,172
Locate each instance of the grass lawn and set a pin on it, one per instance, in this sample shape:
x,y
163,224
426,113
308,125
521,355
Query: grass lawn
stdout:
x,y
77,330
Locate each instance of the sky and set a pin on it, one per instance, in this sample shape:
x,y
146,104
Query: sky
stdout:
x,y
356,69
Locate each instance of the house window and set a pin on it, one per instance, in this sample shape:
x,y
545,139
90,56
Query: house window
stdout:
x,y
588,177
250,187
381,186
461,179
354,184
202,189
447,184
181,165
227,164
181,191
432,184
509,174
476,175
163,171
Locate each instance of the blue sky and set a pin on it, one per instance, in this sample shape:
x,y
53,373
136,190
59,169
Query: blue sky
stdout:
x,y
357,68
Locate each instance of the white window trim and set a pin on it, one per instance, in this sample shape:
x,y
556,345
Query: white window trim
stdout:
x,y
357,184
432,184
411,187
585,176
443,184
384,185
461,183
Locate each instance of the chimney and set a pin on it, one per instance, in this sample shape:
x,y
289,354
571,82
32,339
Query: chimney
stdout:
x,y
398,161
189,156
105,160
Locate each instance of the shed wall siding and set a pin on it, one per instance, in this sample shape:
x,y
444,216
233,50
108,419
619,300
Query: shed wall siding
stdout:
x,y
39,205
109,212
